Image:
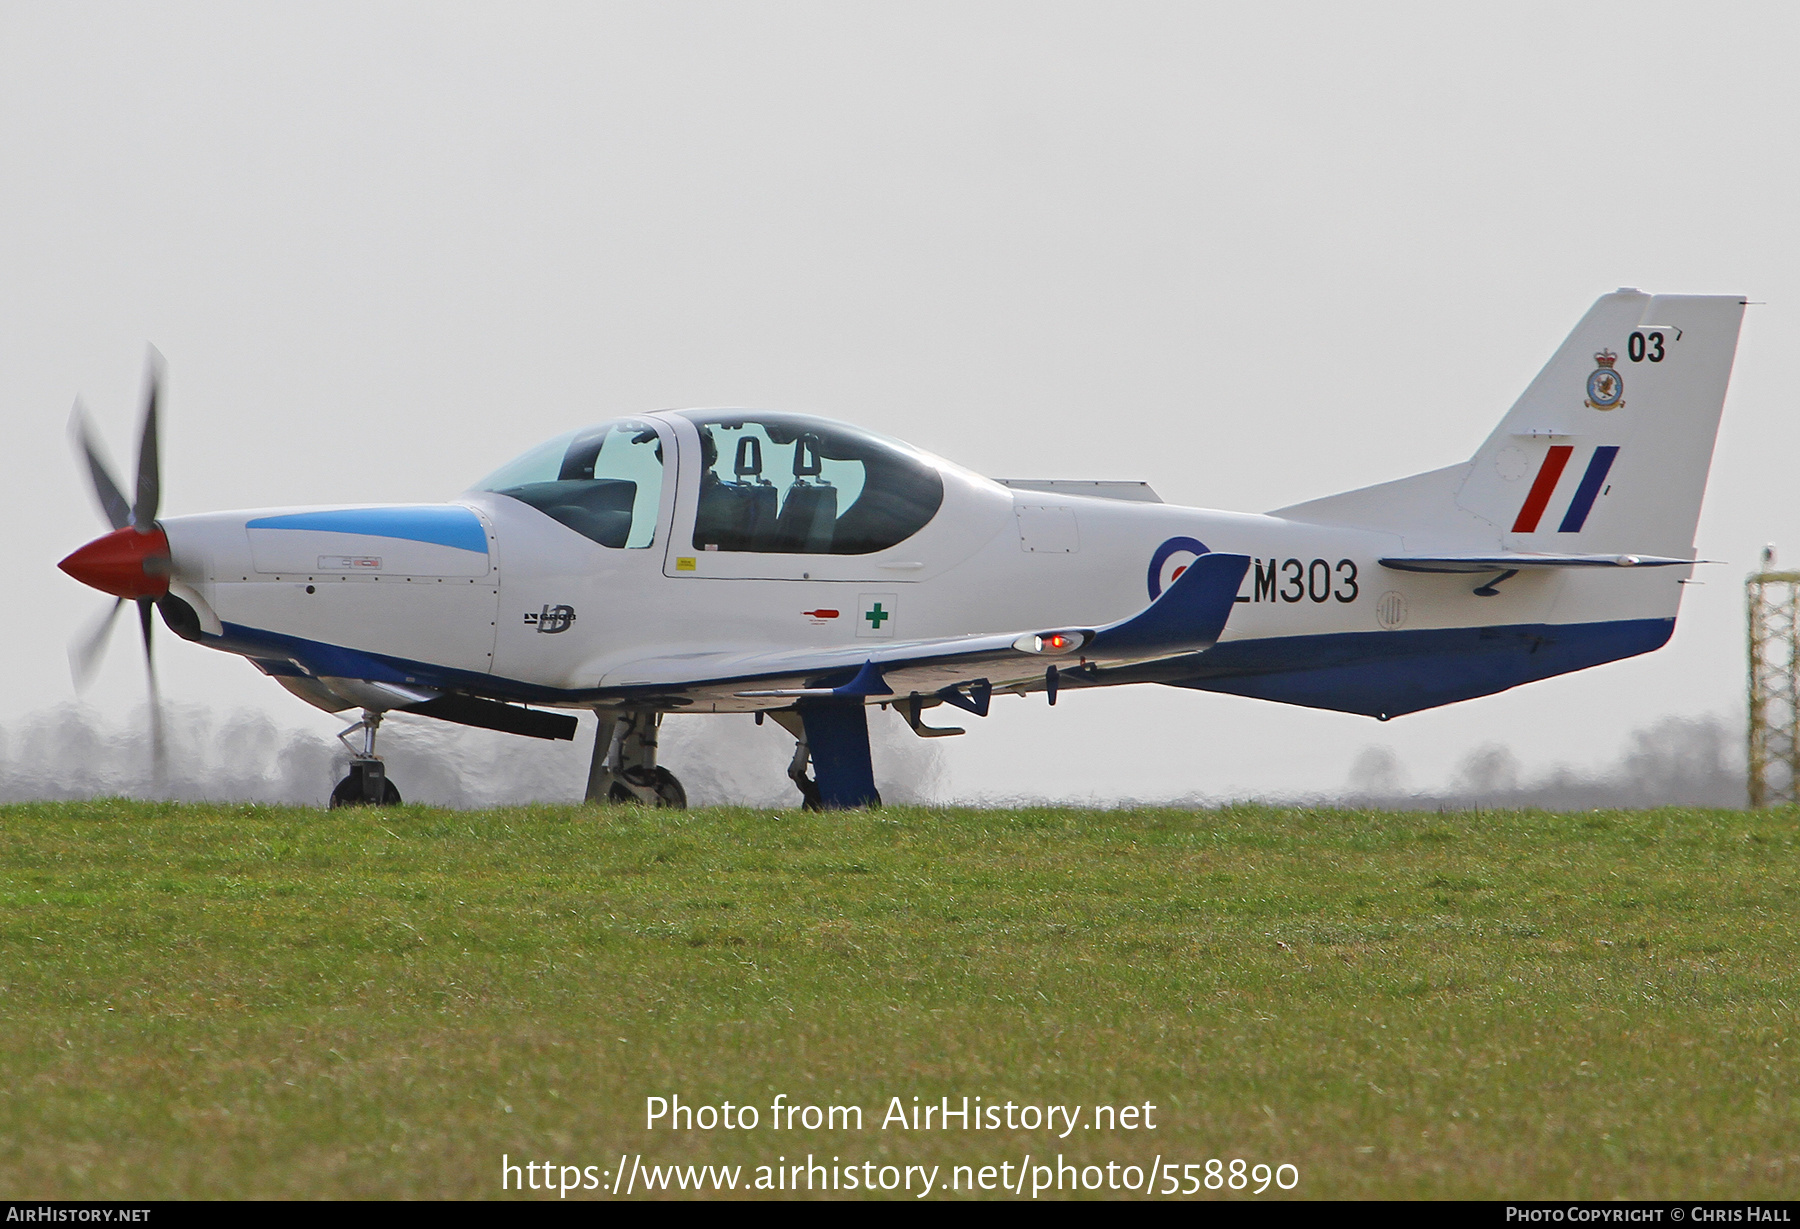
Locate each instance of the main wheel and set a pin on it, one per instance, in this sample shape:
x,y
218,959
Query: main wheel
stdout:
x,y
668,790
810,799
349,793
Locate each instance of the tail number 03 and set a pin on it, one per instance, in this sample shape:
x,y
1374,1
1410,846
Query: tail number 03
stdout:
x,y
1297,580
1640,346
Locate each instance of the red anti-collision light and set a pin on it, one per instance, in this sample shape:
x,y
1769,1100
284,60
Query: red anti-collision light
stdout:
x,y
124,563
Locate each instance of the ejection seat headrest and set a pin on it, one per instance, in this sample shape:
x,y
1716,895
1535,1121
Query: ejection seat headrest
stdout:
x,y
749,457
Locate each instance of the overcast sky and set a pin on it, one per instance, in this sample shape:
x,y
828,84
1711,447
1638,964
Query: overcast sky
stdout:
x,y
1251,254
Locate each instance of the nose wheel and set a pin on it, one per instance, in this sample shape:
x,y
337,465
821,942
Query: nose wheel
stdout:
x,y
624,768
658,787
368,784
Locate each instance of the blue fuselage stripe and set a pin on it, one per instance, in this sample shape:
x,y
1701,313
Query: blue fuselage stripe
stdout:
x,y
439,524
1589,490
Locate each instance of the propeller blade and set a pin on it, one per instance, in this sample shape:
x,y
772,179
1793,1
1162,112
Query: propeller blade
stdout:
x,y
88,650
149,472
145,606
112,502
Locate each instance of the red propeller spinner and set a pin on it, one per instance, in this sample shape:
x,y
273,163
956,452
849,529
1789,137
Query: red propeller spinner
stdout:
x,y
124,563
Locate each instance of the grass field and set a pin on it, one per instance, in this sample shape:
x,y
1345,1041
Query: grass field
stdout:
x,y
212,1001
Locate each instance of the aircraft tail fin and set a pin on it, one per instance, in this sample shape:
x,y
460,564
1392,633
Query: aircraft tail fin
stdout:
x,y
1606,451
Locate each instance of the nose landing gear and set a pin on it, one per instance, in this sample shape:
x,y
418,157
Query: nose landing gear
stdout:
x,y
368,784
624,768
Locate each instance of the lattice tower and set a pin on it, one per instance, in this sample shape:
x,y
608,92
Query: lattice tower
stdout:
x,y
1774,608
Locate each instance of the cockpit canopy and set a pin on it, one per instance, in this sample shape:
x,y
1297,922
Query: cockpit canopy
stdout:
x,y
790,484
769,484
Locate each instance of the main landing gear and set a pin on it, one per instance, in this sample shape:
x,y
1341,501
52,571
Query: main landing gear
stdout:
x,y
789,720
368,784
834,739
624,768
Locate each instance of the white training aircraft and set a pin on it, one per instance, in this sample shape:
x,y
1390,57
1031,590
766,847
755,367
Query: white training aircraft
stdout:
x,y
730,561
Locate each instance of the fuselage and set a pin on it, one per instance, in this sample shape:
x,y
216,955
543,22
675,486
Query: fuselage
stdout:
x,y
494,596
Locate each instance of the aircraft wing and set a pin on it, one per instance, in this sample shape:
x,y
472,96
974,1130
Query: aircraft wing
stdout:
x,y
1187,618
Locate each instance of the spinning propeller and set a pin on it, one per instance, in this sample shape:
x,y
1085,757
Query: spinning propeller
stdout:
x,y
131,562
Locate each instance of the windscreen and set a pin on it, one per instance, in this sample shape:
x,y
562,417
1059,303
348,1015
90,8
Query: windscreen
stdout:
x,y
603,482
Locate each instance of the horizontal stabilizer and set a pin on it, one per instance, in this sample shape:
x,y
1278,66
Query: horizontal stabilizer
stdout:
x,y
1526,559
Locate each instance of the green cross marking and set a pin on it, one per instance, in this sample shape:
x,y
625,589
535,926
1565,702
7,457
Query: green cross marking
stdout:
x,y
876,614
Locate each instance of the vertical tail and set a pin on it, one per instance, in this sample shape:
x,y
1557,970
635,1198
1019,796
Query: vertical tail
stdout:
x,y
1607,450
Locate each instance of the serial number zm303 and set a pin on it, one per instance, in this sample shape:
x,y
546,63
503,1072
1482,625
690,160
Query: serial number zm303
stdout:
x,y
1294,580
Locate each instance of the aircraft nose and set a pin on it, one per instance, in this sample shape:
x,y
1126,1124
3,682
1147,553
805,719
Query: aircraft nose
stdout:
x,y
124,563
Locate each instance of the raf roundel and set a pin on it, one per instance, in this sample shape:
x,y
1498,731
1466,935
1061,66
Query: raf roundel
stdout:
x,y
1170,561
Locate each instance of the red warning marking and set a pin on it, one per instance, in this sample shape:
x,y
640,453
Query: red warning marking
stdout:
x,y
820,614
1542,487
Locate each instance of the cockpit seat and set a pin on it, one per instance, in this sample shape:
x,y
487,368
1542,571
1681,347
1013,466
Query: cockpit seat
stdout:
x,y
735,515
808,517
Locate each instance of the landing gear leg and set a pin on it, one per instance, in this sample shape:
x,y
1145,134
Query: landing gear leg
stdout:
x,y
624,768
789,720
368,784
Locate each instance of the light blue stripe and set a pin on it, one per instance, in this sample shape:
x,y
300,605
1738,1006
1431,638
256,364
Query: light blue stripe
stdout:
x,y
441,524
